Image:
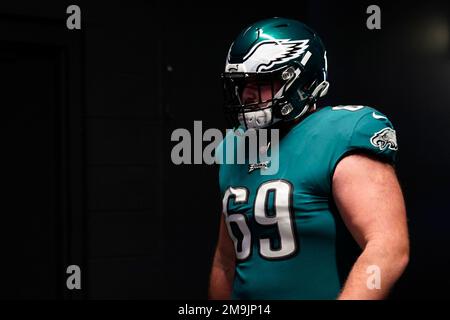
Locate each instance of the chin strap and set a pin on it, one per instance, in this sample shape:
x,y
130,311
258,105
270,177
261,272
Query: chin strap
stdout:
x,y
321,89
318,92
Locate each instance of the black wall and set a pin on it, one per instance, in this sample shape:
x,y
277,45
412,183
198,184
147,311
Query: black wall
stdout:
x,y
94,118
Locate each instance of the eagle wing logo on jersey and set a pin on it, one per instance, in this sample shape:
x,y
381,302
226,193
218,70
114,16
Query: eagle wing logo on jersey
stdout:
x,y
385,138
255,166
268,53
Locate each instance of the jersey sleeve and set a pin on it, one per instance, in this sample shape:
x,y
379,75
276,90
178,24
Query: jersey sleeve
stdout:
x,y
374,134
343,131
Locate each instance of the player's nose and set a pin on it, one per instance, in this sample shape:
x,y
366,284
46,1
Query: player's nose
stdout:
x,y
250,94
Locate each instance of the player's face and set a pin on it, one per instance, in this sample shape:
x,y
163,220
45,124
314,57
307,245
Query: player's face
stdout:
x,y
259,92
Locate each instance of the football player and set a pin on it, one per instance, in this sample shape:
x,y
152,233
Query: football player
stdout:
x,y
331,222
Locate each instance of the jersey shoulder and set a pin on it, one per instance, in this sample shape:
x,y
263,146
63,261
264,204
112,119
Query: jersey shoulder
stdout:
x,y
345,116
350,128
364,128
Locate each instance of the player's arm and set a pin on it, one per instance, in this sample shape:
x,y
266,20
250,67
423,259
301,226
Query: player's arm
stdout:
x,y
222,272
370,201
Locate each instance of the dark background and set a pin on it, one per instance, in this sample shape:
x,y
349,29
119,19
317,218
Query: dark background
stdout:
x,y
89,114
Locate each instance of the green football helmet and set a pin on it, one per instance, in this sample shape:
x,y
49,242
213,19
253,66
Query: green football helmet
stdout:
x,y
276,69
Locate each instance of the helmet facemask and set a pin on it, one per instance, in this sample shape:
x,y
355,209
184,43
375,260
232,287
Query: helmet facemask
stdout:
x,y
261,99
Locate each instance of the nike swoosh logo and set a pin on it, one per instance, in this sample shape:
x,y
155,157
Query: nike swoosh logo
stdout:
x,y
377,116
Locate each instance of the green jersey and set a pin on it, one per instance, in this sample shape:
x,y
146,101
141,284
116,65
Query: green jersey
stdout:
x,y
289,239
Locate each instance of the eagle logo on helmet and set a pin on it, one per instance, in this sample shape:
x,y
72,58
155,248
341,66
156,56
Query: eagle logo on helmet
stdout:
x,y
385,138
266,54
